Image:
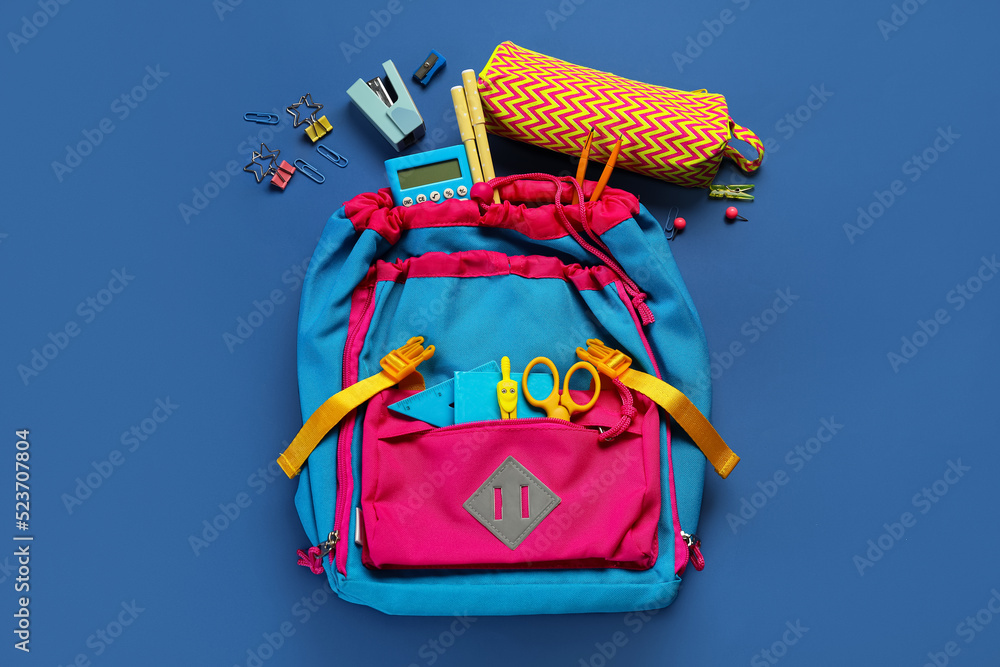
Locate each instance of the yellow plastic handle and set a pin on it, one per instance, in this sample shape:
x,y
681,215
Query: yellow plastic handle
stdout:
x,y
551,403
567,401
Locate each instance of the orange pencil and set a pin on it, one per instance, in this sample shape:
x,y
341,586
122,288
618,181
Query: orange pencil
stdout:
x,y
608,168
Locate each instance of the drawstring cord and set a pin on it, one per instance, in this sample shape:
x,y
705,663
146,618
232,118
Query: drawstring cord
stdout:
x,y
628,413
313,559
637,296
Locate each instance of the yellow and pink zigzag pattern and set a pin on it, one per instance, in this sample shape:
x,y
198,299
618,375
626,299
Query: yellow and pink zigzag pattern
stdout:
x,y
670,134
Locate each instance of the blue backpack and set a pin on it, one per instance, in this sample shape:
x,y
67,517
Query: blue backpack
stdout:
x,y
484,515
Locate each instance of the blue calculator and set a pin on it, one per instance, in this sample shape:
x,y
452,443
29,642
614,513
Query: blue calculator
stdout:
x,y
435,176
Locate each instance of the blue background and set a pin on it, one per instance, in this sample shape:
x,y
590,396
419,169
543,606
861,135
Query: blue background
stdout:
x,y
888,92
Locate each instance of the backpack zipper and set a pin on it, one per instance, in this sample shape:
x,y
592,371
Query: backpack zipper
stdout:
x,y
694,550
330,544
345,436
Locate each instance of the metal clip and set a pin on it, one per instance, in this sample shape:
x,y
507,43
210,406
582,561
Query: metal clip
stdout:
x,y
263,118
329,544
264,153
731,192
307,100
310,171
332,156
668,227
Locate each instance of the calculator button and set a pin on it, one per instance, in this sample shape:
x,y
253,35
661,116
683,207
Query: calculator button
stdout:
x,y
407,201
462,190
421,198
435,195
448,193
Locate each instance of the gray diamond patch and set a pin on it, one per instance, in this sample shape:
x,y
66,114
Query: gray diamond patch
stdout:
x,y
511,502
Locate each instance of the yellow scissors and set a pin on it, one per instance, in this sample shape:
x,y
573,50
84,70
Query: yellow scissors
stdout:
x,y
560,405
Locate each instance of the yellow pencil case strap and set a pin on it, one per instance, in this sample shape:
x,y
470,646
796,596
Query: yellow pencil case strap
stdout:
x,y
616,364
396,366
742,133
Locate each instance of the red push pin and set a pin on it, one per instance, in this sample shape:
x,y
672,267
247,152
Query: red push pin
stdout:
x,y
680,224
733,214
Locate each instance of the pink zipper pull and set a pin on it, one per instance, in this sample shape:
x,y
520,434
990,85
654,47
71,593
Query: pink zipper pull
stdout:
x,y
313,558
694,551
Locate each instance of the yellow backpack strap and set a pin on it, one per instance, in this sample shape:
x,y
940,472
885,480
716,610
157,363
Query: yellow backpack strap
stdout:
x,y
395,366
616,364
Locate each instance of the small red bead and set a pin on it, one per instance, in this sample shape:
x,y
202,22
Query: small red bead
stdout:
x,y
680,224
482,193
732,213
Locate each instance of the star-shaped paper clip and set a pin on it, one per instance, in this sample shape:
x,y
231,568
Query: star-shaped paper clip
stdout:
x,y
306,100
317,127
264,153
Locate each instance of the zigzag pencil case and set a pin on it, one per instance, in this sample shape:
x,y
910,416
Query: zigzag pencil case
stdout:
x,y
678,136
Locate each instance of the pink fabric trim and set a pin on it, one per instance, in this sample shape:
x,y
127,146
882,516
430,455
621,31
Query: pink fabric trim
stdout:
x,y
375,211
638,327
358,323
482,263
610,494
680,546
638,296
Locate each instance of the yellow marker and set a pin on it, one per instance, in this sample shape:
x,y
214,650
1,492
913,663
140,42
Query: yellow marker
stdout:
x,y
507,392
479,126
581,167
465,131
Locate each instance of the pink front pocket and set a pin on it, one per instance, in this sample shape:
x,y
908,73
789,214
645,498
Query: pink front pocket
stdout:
x,y
510,494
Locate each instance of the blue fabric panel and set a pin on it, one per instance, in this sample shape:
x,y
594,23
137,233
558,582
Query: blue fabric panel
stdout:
x,y
471,321
338,264
678,342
